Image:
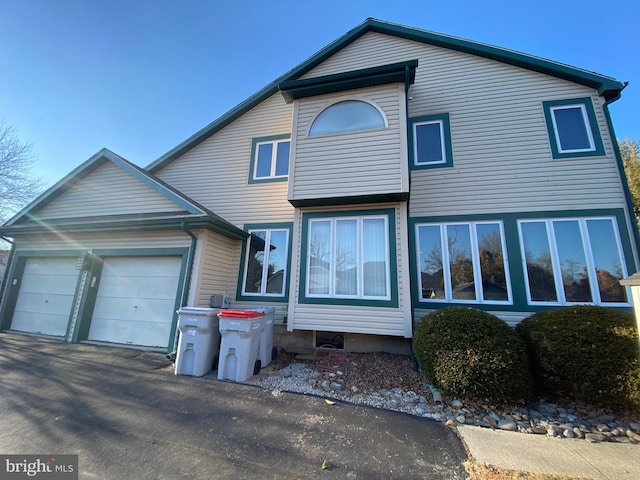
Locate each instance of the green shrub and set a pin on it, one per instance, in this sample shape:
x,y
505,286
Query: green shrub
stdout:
x,y
472,354
586,353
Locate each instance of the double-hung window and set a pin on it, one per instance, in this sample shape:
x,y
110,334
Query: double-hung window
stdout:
x,y
573,260
462,262
269,159
573,129
266,261
430,140
348,257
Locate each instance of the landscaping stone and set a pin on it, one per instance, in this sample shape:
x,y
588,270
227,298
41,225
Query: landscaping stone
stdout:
x,y
538,418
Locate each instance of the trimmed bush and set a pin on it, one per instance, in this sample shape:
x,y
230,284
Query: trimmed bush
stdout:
x,y
585,353
472,354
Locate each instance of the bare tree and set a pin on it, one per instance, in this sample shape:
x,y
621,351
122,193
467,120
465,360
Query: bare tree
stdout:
x,y
18,186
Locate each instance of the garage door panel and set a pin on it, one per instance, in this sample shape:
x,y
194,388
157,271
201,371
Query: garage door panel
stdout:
x,y
40,304
133,309
130,266
51,284
47,265
46,295
43,323
149,334
139,287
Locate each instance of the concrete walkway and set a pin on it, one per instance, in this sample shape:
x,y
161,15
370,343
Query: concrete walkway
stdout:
x,y
544,454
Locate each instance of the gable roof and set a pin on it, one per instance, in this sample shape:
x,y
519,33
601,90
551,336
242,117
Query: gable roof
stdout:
x,y
606,86
191,213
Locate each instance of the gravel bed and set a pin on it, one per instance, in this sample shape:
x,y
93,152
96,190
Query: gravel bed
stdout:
x,y
388,381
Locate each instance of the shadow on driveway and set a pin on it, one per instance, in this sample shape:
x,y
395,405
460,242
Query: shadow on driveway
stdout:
x,y
126,415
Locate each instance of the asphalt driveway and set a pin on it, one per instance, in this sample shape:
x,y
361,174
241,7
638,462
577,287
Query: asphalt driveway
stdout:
x,y
126,415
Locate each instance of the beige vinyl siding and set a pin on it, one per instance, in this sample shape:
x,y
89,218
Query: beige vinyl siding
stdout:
x,y
354,319
121,240
108,190
354,163
349,319
212,264
501,152
215,173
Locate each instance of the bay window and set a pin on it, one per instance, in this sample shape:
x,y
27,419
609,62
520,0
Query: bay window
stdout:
x,y
349,256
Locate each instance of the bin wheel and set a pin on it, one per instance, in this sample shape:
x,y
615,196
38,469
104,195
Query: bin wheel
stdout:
x,y
274,353
256,367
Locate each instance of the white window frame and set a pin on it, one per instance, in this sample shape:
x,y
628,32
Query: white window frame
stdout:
x,y
443,147
557,268
586,124
265,264
332,263
274,157
475,257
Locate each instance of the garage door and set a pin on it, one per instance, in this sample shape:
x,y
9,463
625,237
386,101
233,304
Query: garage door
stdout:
x,y
46,295
136,299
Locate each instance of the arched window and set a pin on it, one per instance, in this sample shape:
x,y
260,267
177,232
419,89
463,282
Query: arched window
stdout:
x,y
347,116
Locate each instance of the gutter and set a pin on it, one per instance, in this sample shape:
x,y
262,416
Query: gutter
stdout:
x,y
171,356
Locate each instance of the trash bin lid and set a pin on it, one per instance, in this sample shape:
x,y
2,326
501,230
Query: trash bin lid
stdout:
x,y
240,313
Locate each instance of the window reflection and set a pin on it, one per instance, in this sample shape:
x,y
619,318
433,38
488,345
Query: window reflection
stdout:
x,y
470,266
581,256
266,262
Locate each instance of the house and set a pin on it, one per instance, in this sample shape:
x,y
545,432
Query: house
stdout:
x,y
394,172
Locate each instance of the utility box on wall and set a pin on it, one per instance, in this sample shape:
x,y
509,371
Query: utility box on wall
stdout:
x,y
219,300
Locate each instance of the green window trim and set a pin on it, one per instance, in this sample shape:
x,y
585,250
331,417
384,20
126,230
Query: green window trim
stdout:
x,y
274,140
513,253
392,299
594,148
445,149
259,296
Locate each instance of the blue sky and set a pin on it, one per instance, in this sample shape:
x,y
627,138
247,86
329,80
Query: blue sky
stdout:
x,y
139,77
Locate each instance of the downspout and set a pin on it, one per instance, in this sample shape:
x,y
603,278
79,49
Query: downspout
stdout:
x,y
5,276
187,284
190,260
623,176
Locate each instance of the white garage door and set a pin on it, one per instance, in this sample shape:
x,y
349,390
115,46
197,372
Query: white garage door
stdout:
x,y
136,300
46,295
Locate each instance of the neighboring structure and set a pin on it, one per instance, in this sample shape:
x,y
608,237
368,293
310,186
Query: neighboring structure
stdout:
x,y
394,172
